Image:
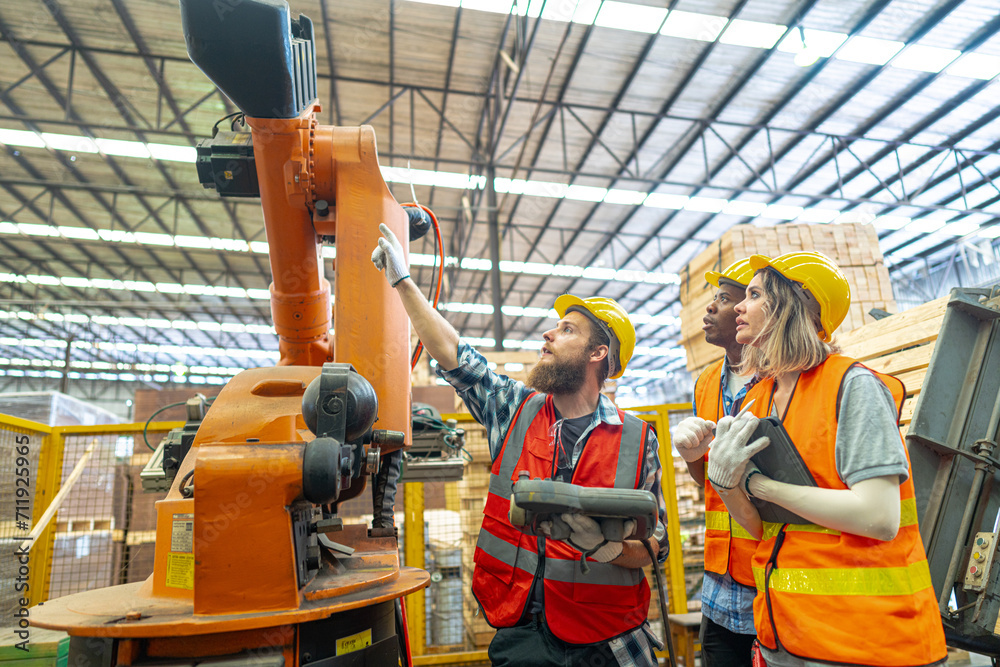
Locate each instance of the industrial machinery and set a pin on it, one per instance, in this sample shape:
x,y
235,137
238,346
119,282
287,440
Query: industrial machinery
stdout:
x,y
952,441
252,563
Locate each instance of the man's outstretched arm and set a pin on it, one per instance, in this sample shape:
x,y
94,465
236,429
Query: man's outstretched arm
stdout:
x,y
438,336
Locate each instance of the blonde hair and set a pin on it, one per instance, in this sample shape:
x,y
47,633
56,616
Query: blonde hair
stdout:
x,y
789,341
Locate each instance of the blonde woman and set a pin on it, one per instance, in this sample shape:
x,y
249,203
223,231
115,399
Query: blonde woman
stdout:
x,y
852,587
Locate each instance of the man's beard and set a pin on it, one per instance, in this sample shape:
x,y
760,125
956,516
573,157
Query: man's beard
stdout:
x,y
559,377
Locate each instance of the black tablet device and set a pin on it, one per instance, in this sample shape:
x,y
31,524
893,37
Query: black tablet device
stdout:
x,y
780,461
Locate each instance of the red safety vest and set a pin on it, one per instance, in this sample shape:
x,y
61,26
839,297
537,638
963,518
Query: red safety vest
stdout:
x,y
832,596
728,545
579,608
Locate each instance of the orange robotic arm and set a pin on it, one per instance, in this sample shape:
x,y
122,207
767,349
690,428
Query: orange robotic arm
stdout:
x,y
315,182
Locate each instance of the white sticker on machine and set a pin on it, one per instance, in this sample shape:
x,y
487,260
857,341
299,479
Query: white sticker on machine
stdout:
x,y
182,534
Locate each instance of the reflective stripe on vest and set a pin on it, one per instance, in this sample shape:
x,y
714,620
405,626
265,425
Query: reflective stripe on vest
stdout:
x,y
721,521
867,581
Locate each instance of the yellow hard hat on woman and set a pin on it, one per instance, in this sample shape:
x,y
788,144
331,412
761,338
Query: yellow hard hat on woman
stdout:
x,y
613,319
739,272
823,281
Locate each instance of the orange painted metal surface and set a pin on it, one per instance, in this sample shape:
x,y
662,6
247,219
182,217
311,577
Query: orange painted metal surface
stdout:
x,y
101,612
298,163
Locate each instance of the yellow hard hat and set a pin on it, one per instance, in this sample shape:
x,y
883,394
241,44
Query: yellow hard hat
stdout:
x,y
739,272
820,277
613,319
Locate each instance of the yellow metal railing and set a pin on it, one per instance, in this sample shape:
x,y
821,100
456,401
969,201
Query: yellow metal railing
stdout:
x,y
48,475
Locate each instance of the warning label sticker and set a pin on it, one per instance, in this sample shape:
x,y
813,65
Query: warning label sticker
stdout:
x,y
182,534
180,571
355,642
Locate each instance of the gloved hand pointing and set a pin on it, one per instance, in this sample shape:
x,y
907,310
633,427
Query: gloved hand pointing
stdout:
x,y
389,256
692,437
729,453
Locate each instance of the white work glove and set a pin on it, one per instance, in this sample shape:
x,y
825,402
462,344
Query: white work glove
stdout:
x,y
586,536
389,256
692,437
729,453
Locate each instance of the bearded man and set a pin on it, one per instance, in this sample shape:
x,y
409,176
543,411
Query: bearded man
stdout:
x,y
558,426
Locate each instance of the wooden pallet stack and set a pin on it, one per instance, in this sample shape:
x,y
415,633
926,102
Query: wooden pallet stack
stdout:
x,y
472,491
854,247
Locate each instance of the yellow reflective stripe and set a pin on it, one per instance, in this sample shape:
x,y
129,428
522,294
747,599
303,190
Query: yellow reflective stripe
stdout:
x,y
741,532
772,529
717,521
908,512
907,517
720,521
875,581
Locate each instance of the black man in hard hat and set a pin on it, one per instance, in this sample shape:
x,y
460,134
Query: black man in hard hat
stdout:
x,y
532,589
727,628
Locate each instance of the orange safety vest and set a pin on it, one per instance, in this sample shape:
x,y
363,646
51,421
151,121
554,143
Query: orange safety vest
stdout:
x,y
832,596
728,545
579,608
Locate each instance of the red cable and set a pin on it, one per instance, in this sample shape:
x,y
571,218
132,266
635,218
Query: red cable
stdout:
x,y
406,632
440,277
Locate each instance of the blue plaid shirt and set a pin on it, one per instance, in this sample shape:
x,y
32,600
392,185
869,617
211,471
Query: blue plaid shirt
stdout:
x,y
493,400
723,599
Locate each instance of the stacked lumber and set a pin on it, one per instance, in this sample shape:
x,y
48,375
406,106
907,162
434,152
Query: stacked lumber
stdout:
x,y
472,491
854,247
900,345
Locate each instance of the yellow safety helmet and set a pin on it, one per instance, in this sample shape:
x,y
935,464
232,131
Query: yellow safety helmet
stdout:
x,y
825,283
739,272
613,319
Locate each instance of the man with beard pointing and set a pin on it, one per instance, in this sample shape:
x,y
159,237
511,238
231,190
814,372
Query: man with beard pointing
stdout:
x,y
558,426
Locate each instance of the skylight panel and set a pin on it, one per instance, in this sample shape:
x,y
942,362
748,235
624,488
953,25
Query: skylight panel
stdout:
x,y
627,197
961,227
664,200
971,65
585,193
925,58
627,16
20,138
818,43
925,225
990,232
869,50
122,148
67,142
173,153
749,209
890,222
820,216
705,204
582,12
752,33
691,25
782,212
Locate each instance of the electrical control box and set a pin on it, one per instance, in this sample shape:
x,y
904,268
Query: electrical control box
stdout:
x,y
980,560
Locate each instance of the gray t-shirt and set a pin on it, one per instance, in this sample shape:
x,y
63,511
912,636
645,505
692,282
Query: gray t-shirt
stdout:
x,y
868,442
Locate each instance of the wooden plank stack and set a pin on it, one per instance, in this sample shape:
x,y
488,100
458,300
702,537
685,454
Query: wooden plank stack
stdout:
x,y
900,345
854,247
